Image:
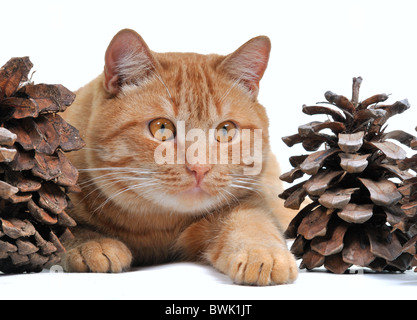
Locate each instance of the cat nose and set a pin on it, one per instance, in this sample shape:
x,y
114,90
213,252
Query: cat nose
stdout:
x,y
199,170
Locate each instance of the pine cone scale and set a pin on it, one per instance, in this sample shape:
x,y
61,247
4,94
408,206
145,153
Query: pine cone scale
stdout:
x,y
12,74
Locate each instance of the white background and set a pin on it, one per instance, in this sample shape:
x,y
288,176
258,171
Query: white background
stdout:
x,y
317,46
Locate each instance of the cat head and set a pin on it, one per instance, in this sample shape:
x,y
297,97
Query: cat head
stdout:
x,y
170,127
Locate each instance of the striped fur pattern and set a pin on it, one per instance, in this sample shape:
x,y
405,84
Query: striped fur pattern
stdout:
x,y
132,211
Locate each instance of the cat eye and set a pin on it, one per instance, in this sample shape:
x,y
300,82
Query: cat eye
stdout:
x,y
162,129
225,131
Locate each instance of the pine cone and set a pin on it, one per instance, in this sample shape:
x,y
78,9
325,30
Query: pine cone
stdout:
x,y
357,214
35,175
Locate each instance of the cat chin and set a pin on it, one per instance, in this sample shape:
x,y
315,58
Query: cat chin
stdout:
x,y
193,201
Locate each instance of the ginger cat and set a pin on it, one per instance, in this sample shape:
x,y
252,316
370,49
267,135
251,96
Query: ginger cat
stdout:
x,y
133,211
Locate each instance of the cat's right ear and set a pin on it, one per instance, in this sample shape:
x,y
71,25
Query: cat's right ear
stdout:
x,y
128,60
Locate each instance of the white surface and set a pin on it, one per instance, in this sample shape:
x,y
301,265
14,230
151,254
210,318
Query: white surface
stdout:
x,y
190,281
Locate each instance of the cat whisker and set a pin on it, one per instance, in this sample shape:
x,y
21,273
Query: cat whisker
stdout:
x,y
243,176
112,181
112,177
231,88
114,171
239,186
119,169
222,198
109,177
103,176
126,189
88,148
245,182
157,75
250,179
232,196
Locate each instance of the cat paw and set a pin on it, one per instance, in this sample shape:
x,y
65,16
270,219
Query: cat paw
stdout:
x,y
259,266
103,255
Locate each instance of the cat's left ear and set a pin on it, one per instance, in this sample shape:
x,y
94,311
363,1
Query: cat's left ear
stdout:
x,y
248,63
127,60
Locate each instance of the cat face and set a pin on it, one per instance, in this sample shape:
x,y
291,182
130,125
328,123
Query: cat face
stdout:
x,y
189,109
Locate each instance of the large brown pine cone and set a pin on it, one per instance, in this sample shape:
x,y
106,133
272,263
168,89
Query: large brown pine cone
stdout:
x,y
358,214
35,175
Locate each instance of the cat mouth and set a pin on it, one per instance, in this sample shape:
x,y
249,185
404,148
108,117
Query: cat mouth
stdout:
x,y
192,199
195,191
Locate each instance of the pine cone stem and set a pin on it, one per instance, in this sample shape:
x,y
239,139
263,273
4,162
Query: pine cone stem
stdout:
x,y
357,81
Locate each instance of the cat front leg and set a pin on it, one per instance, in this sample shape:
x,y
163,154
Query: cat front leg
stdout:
x,y
246,245
92,252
